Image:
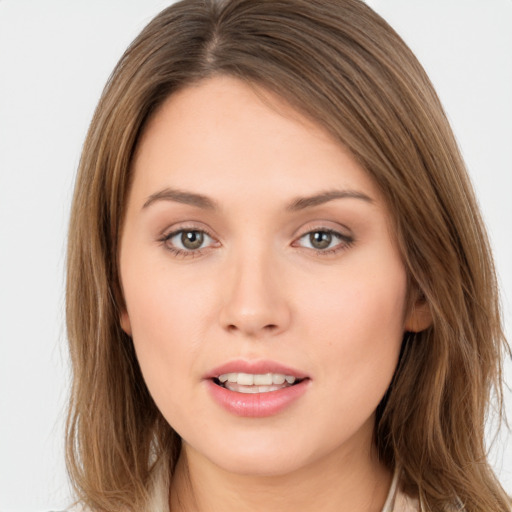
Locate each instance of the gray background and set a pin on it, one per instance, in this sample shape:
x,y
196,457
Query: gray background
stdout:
x,y
55,57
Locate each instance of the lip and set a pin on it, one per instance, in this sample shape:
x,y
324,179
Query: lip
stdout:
x,y
256,405
263,366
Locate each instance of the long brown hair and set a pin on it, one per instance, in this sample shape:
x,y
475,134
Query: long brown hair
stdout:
x,y
342,65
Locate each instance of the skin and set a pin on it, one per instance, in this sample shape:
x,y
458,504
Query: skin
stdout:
x,y
259,290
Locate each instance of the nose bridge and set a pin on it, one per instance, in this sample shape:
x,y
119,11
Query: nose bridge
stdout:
x,y
255,301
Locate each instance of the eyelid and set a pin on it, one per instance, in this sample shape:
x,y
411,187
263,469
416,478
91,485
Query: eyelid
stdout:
x,y
345,240
175,230
185,226
322,224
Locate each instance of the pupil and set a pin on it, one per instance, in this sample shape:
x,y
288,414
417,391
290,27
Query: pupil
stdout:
x,y
320,239
192,239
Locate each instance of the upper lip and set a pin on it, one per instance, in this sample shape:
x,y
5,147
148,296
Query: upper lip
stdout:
x,y
254,367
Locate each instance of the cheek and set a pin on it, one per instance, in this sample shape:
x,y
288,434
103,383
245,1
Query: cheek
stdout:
x,y
158,299
357,322
360,304
163,315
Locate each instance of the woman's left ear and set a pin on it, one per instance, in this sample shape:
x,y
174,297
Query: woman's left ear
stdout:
x,y
419,317
125,322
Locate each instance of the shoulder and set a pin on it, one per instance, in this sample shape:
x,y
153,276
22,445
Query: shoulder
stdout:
x,y
404,503
397,500
158,490
74,507
77,507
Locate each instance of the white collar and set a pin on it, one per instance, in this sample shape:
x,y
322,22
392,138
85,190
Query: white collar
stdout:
x,y
398,501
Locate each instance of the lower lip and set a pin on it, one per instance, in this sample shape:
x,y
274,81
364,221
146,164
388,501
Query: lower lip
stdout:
x,y
256,405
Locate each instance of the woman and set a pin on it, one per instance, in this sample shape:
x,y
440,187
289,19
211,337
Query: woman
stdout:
x,y
280,292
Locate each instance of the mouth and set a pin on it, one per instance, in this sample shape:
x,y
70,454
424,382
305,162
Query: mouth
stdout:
x,y
256,388
249,383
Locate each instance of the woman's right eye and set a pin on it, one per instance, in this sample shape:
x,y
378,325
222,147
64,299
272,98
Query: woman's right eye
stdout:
x,y
187,242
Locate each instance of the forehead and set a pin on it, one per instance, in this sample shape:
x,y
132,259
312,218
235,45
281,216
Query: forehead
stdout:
x,y
224,135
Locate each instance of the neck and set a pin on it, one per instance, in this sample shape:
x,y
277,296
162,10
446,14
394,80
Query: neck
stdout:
x,y
340,482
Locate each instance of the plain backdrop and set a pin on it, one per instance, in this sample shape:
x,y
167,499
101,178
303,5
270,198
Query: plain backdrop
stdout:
x,y
55,57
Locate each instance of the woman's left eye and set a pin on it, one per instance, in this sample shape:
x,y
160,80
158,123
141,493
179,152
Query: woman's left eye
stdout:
x,y
325,240
187,241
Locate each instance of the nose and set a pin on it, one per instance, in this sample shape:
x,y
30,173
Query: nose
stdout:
x,y
255,302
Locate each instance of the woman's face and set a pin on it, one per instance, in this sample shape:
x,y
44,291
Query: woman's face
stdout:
x,y
254,244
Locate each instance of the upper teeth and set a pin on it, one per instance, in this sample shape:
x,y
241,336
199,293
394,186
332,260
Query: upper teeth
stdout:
x,y
257,379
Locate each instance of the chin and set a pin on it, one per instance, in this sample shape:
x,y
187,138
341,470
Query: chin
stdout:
x,y
261,464
259,455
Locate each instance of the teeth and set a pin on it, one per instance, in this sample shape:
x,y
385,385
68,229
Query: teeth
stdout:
x,y
263,380
252,389
259,379
279,378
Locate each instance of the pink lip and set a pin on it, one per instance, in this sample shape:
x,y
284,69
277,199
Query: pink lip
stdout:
x,y
256,405
241,366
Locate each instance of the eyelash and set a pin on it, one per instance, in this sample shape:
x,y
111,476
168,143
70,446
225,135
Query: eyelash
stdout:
x,y
184,253
344,242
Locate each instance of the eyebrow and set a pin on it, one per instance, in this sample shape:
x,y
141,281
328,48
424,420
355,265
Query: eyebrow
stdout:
x,y
179,196
324,197
206,203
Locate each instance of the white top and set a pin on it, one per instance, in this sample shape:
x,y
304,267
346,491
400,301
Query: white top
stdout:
x,y
397,501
